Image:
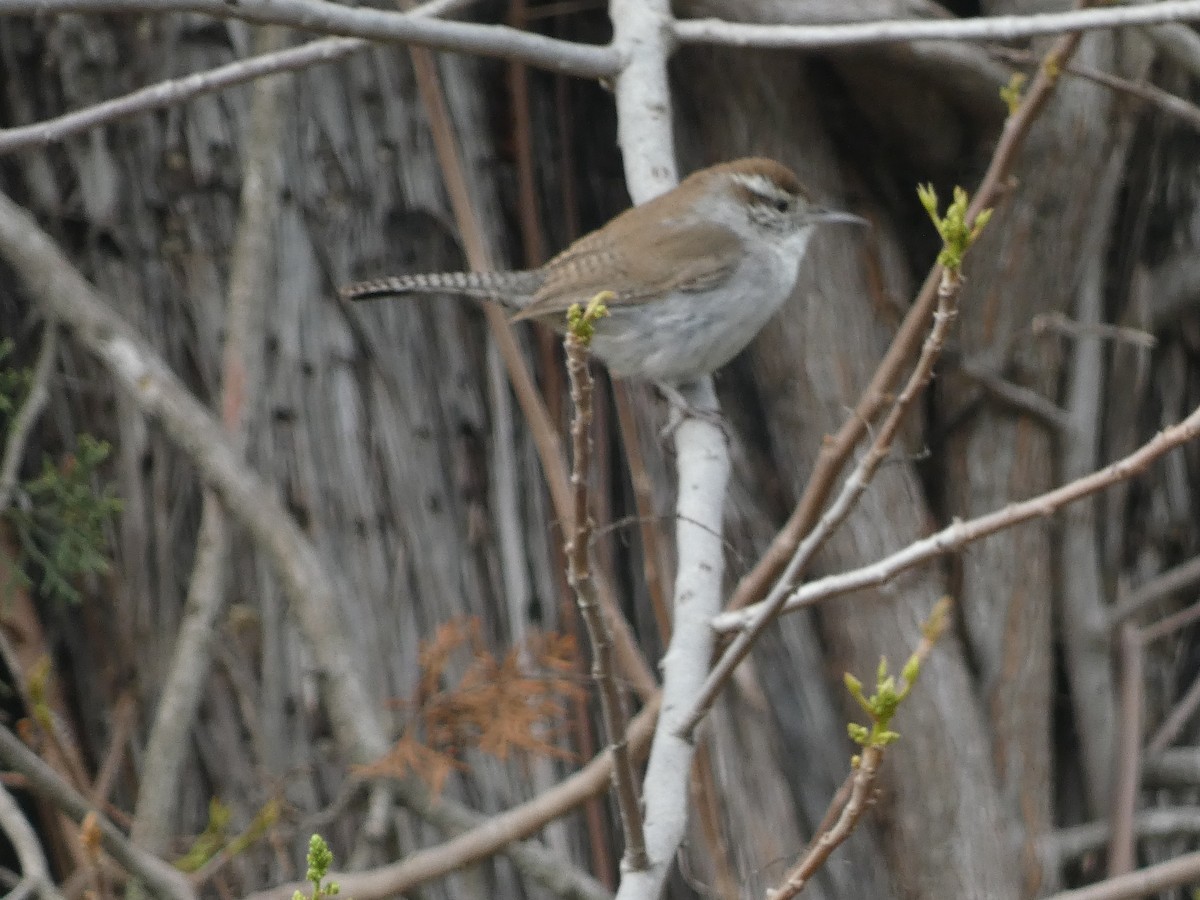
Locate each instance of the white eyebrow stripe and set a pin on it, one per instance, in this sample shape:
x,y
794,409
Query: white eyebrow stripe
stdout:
x,y
761,186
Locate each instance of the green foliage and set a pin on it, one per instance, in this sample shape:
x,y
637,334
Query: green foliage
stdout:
x,y
320,858
957,234
60,523
58,517
1011,93
881,706
582,322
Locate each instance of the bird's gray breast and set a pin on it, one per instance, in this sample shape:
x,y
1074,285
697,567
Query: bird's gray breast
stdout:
x,y
688,334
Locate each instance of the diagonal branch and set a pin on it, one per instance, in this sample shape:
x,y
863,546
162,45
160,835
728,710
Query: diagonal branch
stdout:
x,y
852,489
161,877
954,537
586,61
984,28
62,291
31,408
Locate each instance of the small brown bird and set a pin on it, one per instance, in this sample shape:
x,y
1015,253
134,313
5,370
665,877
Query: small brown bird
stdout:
x,y
696,272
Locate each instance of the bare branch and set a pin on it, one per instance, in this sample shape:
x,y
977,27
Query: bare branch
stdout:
x,y
852,489
492,834
24,840
1140,883
1065,844
161,877
1180,578
178,90
958,535
31,408
702,460
364,22
1128,753
1164,101
984,28
254,247
59,287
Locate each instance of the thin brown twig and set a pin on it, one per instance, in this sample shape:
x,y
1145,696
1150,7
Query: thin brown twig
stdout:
x,y
579,569
1160,587
1128,753
632,662
176,91
493,835
1139,883
837,450
855,795
159,876
949,288
1164,101
1172,623
1173,724
22,423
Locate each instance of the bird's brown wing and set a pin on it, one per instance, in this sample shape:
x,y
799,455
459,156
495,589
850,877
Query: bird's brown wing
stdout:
x,y
590,266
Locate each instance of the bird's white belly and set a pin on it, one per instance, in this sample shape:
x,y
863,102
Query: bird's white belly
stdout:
x,y
686,335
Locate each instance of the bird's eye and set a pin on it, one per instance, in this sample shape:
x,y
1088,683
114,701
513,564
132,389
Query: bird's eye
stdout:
x,y
782,204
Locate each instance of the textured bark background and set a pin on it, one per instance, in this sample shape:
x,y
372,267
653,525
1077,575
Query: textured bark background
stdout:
x,y
390,434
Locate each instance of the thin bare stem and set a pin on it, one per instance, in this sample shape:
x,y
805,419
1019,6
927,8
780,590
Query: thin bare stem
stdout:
x,y
1140,883
254,248
177,91
983,28
578,551
320,16
1180,578
24,840
27,416
1176,719
1164,101
491,835
161,877
954,537
1128,753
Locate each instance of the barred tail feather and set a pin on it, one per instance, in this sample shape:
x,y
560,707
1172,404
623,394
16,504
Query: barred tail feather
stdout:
x,y
506,286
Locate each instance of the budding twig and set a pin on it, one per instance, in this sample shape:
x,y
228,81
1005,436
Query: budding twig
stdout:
x,y
852,799
580,327
958,232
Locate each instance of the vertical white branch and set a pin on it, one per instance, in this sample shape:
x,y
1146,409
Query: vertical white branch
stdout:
x,y
703,463
643,35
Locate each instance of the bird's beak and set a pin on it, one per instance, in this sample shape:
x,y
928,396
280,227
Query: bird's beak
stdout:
x,y
821,216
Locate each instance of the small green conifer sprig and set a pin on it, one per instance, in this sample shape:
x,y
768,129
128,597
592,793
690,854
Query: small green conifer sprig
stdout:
x,y
320,858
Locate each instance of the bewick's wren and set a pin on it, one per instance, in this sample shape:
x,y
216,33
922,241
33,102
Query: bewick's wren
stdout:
x,y
697,272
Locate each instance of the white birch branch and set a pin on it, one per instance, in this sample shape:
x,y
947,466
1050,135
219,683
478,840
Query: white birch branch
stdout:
x,y
984,28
